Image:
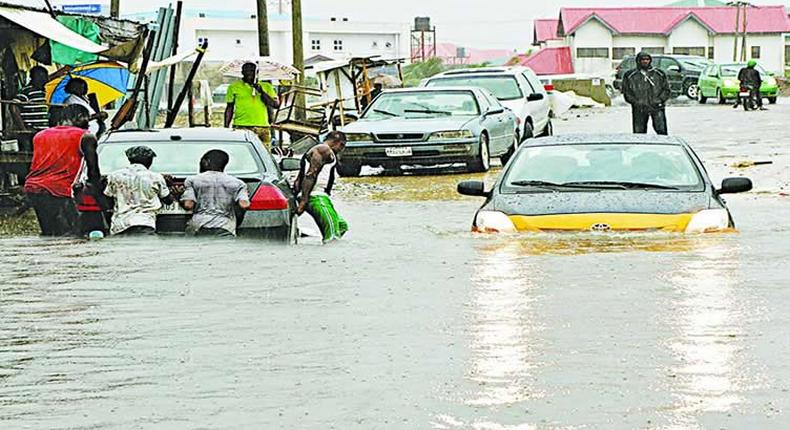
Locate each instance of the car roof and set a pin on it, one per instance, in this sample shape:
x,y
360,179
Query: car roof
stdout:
x,y
177,134
612,138
432,89
508,70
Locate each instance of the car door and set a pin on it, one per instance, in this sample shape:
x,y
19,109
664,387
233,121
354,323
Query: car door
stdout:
x,y
495,123
538,109
713,79
672,68
704,81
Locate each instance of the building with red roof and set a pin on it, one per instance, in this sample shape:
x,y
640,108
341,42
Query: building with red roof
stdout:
x,y
546,34
451,53
600,37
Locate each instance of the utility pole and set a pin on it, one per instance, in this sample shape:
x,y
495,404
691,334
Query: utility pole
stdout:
x,y
298,53
263,29
743,36
115,8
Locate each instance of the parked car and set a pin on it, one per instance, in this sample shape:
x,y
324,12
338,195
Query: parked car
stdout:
x,y
272,212
517,88
720,81
428,127
683,72
604,183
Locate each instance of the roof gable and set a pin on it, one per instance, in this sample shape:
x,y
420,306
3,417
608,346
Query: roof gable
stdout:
x,y
662,20
545,30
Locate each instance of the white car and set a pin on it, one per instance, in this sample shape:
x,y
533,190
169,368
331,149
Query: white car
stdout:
x,y
517,88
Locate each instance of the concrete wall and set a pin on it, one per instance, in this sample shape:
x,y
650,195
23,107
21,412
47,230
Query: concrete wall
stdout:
x,y
689,34
592,34
772,50
639,42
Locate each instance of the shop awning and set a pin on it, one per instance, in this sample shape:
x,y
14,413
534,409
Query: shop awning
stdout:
x,y
44,25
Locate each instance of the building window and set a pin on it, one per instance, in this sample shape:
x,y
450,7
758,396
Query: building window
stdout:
x,y
202,40
388,45
315,45
756,52
338,45
787,54
711,53
592,52
699,51
654,50
238,41
620,53
375,45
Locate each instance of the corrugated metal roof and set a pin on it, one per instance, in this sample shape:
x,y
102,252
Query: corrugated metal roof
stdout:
x,y
548,61
546,29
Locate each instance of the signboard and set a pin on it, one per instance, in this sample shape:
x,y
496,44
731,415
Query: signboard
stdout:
x,y
85,9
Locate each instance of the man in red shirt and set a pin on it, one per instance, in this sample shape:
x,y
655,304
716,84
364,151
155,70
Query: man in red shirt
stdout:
x,y
57,157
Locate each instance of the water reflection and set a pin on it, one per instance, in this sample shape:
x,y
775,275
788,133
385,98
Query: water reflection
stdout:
x,y
592,243
504,329
708,317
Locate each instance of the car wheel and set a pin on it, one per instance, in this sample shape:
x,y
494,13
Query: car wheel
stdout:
x,y
528,133
720,96
692,90
509,154
701,98
482,162
772,100
349,169
549,130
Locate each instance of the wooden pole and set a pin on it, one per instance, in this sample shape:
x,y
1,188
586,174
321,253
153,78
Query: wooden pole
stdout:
x,y
298,53
737,31
743,36
115,8
176,32
263,29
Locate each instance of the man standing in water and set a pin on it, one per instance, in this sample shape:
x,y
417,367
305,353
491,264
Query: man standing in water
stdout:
x,y
214,196
314,186
647,90
138,192
58,153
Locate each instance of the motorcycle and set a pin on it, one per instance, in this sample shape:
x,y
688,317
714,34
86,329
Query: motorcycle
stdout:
x,y
748,97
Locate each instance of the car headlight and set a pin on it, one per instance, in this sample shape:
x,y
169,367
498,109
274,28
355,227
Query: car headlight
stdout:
x,y
709,221
730,83
493,222
358,137
448,135
771,81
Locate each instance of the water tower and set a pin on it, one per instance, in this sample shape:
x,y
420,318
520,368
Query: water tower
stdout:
x,y
423,39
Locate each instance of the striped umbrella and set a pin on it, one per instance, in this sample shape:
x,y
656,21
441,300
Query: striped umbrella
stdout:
x,y
107,79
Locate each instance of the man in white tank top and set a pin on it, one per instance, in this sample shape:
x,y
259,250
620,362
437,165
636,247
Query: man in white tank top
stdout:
x,y
314,186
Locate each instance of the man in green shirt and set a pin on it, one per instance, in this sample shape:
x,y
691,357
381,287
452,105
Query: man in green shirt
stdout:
x,y
248,103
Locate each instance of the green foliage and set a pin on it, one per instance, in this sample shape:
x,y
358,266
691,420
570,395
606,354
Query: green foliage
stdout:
x,y
416,72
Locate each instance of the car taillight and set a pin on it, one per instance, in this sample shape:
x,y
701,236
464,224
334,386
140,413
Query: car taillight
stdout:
x,y
87,203
268,198
549,87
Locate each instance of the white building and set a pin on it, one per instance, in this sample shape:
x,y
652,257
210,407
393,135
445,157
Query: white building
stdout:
x,y
600,37
236,36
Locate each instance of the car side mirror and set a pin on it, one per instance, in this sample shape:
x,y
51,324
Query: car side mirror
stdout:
x,y
472,188
495,111
535,97
735,186
290,164
673,69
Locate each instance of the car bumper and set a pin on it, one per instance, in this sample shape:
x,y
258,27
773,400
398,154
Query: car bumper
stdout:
x,y
422,153
732,93
604,222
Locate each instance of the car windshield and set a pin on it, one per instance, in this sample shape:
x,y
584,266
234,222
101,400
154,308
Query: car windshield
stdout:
x,y
423,104
621,165
732,70
181,158
502,87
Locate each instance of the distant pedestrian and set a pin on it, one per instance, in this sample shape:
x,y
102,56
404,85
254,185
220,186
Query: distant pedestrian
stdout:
x,y
647,90
248,102
33,114
214,196
138,193
314,186
77,89
58,154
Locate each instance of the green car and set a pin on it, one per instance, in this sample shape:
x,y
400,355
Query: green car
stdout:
x,y
721,81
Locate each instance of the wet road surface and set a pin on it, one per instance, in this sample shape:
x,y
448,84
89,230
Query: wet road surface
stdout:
x,y
410,323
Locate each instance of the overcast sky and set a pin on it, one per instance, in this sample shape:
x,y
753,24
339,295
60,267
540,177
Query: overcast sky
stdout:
x,y
472,23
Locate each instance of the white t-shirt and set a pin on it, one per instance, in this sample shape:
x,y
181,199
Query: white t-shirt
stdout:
x,y
137,192
76,100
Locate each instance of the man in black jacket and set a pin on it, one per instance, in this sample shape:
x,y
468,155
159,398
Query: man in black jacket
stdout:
x,y
646,89
750,78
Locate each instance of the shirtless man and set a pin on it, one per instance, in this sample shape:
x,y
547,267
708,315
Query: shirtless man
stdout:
x,y
314,186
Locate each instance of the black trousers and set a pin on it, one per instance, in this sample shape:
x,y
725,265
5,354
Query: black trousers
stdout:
x,y
640,116
57,216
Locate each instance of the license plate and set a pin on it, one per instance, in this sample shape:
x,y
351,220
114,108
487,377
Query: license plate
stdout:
x,y
744,94
400,151
172,209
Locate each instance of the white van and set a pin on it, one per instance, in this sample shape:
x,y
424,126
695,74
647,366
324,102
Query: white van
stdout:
x,y
517,88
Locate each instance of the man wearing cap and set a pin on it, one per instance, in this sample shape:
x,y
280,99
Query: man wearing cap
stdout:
x,y
248,102
138,192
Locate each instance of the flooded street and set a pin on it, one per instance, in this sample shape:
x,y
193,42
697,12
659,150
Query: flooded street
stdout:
x,y
412,322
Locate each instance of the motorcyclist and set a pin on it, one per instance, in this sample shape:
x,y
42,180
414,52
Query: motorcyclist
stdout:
x,y
749,77
647,90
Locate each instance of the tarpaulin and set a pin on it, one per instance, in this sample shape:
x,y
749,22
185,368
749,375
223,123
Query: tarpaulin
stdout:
x,y
43,24
65,54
